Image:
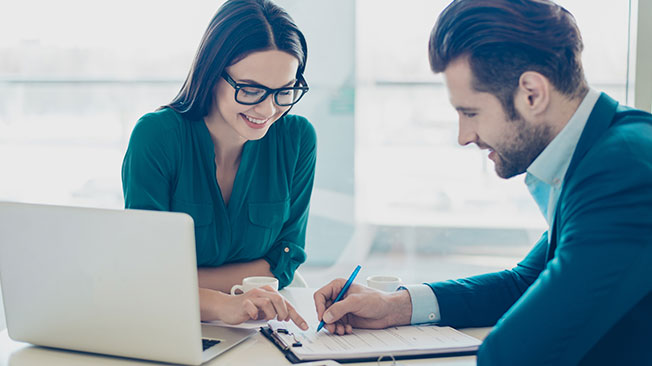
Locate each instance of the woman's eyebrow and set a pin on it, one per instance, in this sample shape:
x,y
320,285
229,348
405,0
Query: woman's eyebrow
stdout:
x,y
249,81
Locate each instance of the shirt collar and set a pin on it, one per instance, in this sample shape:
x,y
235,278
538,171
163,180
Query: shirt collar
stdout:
x,y
551,165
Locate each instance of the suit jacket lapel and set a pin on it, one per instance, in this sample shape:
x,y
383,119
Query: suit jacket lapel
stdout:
x,y
599,121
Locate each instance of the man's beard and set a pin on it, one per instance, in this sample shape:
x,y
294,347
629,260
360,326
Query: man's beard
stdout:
x,y
516,155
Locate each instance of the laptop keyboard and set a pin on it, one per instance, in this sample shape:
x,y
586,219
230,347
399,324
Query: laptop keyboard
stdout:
x,y
208,343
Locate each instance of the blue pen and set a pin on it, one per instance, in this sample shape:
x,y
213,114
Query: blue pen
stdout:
x,y
344,289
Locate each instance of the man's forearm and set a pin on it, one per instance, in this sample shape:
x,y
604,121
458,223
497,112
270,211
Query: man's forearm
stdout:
x,y
222,278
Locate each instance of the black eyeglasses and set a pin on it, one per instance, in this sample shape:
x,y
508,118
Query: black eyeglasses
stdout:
x,y
249,94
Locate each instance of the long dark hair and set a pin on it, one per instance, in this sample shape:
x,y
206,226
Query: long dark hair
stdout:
x,y
505,38
239,28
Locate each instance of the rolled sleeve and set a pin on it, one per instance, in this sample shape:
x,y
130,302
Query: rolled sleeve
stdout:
x,y
425,308
284,258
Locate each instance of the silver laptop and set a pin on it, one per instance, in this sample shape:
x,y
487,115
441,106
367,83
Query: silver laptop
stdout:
x,y
117,282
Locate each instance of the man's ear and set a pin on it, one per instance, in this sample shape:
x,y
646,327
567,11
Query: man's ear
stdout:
x,y
533,95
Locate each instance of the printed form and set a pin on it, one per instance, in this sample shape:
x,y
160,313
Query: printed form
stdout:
x,y
365,343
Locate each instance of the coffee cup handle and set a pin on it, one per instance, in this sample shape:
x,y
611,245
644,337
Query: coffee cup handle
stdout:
x,y
236,288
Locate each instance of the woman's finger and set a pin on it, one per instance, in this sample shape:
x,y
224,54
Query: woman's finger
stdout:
x,y
264,304
295,317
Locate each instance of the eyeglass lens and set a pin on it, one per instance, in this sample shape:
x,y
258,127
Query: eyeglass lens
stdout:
x,y
252,95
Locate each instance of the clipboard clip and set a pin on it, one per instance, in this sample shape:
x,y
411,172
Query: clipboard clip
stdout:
x,y
274,335
296,343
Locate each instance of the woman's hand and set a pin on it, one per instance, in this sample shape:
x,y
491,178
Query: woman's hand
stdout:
x,y
256,304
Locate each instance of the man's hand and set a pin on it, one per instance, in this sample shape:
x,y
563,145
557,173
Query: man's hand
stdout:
x,y
256,304
361,307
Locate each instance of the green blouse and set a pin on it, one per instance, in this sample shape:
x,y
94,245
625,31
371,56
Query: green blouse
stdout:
x,y
170,166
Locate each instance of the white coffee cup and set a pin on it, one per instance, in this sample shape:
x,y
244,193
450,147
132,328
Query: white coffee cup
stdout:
x,y
384,283
249,283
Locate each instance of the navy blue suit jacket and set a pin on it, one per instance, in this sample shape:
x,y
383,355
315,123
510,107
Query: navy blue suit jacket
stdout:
x,y
585,298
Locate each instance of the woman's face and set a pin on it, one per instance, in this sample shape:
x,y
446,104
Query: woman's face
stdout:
x,y
272,69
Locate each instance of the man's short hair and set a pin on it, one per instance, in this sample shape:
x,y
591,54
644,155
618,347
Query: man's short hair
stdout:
x,y
505,38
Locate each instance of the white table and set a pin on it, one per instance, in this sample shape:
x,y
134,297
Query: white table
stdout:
x,y
256,350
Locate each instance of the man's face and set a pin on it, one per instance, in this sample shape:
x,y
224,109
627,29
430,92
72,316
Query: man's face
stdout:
x,y
513,144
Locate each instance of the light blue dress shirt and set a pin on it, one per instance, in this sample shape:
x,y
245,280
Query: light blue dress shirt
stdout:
x,y
544,180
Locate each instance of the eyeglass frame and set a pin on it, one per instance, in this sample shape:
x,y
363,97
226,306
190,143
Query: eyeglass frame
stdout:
x,y
267,90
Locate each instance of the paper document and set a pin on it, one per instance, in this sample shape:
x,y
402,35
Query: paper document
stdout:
x,y
366,343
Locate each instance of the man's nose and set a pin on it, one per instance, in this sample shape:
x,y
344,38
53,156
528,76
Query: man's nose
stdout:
x,y
466,134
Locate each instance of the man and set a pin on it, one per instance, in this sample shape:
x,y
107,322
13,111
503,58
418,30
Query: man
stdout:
x,y
583,295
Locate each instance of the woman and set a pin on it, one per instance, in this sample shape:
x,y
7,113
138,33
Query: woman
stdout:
x,y
226,152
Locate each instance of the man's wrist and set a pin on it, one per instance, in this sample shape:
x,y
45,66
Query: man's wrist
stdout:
x,y
401,308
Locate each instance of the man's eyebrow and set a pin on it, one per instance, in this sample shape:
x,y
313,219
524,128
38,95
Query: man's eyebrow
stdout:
x,y
466,109
254,82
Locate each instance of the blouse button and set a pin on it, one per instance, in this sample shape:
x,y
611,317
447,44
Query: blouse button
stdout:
x,y
287,250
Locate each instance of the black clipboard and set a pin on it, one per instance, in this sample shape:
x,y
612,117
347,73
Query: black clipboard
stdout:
x,y
286,348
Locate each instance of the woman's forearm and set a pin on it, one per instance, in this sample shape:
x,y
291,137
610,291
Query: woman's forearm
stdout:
x,y
224,277
209,304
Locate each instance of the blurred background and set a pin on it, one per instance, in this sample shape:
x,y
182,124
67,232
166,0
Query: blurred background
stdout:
x,y
393,189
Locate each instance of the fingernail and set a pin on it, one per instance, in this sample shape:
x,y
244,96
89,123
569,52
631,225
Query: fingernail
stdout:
x,y
328,317
304,326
